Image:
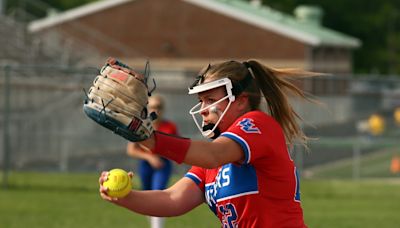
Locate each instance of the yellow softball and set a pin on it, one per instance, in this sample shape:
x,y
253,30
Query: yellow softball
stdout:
x,y
119,183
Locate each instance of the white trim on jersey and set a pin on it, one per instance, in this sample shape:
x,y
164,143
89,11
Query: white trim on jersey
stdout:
x,y
237,195
297,187
190,175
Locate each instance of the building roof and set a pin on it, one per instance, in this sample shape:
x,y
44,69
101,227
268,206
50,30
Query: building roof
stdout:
x,y
73,14
261,16
284,24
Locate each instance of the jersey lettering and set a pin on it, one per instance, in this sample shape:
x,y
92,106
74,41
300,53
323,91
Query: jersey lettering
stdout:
x,y
231,181
229,215
225,177
210,193
221,180
248,126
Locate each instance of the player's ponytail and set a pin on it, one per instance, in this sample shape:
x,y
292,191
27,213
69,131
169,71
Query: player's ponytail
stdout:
x,y
275,87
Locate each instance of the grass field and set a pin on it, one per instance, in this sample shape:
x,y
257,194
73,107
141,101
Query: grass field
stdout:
x,y
374,165
57,200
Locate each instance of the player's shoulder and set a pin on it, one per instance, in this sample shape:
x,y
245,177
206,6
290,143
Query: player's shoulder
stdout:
x,y
258,116
257,120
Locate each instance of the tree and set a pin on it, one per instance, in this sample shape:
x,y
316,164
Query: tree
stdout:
x,y
33,9
375,23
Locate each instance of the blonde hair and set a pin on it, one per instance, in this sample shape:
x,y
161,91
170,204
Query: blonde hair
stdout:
x,y
159,99
272,84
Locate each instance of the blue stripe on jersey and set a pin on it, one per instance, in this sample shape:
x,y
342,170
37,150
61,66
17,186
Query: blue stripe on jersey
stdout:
x,y
194,177
297,193
242,143
232,181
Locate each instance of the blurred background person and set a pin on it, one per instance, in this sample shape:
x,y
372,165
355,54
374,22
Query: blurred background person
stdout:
x,y
154,171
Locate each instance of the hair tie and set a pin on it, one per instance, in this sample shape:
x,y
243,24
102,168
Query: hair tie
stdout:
x,y
246,64
240,86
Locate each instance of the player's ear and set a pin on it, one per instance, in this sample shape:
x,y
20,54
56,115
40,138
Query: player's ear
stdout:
x,y
243,101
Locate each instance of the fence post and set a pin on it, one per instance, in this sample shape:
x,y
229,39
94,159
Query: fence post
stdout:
x,y
64,156
356,158
6,127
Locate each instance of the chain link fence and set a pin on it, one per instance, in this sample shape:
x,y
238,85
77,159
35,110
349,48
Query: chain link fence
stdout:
x,y
43,126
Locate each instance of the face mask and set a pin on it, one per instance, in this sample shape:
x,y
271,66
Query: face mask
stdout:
x,y
211,130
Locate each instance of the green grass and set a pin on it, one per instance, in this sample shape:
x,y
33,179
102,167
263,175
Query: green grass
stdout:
x,y
56,200
374,165
347,203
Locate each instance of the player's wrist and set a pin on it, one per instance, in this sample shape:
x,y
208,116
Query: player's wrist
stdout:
x,y
148,143
172,147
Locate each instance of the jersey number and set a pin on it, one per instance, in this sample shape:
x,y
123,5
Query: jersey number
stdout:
x,y
229,215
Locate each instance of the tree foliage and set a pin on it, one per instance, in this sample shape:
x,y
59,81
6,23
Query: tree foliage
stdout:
x,y
375,23
39,8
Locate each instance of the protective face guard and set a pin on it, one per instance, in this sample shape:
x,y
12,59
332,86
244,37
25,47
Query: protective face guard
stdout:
x,y
205,87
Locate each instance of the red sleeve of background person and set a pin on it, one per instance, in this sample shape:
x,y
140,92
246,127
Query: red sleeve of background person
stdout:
x,y
168,127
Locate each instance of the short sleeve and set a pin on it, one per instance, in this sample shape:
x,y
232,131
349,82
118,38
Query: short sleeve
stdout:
x,y
255,132
168,127
197,175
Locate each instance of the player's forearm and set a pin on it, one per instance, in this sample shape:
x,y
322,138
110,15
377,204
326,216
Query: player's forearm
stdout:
x,y
199,153
137,151
203,154
140,154
153,203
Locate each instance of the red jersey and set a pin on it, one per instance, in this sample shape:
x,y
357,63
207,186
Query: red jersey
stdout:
x,y
168,127
263,191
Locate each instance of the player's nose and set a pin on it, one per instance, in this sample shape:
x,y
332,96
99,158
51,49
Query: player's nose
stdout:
x,y
205,111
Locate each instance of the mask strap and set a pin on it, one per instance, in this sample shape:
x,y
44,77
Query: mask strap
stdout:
x,y
200,77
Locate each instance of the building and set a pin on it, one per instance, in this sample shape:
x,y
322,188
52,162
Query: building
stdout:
x,y
187,34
